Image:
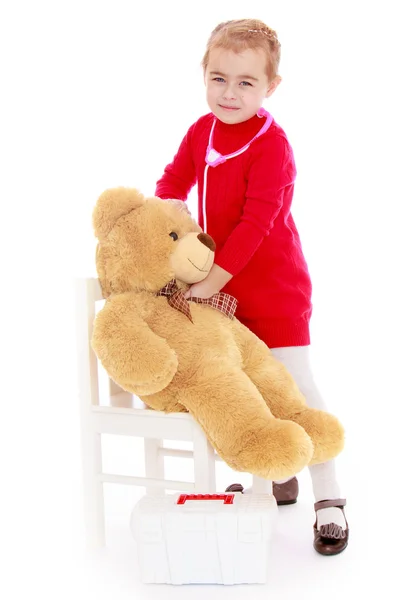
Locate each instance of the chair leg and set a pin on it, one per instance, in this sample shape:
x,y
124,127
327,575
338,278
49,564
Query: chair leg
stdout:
x,y
154,465
204,463
93,489
261,486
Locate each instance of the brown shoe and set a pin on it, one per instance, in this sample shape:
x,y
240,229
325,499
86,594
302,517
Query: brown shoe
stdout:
x,y
235,487
286,493
330,539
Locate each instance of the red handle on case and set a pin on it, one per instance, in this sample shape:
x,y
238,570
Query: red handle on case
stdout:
x,y
227,498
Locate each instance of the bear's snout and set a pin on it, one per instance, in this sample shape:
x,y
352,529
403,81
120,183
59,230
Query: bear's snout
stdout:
x,y
207,241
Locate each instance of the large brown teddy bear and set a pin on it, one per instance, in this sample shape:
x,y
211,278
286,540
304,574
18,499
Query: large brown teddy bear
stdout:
x,y
180,355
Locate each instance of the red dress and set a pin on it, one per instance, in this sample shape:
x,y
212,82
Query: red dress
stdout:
x,y
248,214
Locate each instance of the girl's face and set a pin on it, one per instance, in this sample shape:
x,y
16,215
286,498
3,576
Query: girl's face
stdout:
x,y
236,84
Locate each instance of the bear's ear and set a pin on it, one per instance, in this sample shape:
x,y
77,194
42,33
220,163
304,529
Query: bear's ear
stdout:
x,y
113,204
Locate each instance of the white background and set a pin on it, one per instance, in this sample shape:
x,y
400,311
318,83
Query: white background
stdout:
x,y
99,94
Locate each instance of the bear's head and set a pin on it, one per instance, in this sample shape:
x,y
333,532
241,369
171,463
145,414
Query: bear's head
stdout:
x,y
143,243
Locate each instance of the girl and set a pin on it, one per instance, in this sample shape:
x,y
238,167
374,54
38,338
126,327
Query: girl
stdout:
x,y
244,166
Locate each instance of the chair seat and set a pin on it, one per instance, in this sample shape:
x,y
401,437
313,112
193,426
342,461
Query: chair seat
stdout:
x,y
129,404
125,414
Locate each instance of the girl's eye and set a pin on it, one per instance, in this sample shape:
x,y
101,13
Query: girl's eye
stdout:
x,y
219,79
174,235
246,83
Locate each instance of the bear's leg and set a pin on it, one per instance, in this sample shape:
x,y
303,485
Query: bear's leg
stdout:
x,y
241,428
285,400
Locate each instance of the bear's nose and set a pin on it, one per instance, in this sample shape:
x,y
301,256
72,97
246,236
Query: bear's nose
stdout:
x,y
207,241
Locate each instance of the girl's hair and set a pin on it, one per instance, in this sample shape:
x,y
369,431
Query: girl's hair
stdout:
x,y
243,34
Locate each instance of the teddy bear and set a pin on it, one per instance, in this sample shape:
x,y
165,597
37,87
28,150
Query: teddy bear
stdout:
x,y
193,355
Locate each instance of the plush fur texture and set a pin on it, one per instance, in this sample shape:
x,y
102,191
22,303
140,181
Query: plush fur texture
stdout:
x,y
246,402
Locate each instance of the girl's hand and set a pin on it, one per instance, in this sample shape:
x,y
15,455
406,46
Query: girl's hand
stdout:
x,y
213,283
203,289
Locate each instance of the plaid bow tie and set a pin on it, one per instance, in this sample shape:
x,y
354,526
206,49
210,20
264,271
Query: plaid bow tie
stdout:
x,y
221,301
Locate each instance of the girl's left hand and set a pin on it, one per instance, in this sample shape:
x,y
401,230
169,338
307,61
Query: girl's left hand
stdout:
x,y
203,289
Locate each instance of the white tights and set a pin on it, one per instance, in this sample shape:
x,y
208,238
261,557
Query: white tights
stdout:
x,y
325,487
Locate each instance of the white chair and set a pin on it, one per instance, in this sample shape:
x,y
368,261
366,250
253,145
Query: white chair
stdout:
x,y
125,414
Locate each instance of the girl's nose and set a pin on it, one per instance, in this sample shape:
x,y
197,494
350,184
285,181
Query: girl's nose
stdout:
x,y
229,93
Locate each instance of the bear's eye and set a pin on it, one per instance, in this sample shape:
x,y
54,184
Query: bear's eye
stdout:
x,y
174,235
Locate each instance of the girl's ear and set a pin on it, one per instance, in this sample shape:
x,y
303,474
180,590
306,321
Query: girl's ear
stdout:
x,y
273,86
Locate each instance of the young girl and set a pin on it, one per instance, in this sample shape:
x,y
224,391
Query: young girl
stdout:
x,y
244,166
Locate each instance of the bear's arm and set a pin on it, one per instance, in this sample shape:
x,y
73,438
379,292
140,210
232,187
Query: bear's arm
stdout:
x,y
135,357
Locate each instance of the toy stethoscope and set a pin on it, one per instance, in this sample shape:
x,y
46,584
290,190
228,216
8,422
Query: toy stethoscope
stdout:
x,y
214,158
